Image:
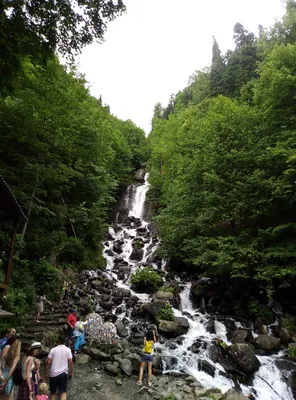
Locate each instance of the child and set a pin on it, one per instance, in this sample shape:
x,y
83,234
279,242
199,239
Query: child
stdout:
x,y
36,375
79,335
147,356
42,393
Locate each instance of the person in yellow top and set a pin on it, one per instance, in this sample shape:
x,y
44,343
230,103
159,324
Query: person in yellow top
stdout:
x,y
147,357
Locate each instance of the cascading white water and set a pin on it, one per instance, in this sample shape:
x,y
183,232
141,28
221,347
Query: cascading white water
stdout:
x,y
268,383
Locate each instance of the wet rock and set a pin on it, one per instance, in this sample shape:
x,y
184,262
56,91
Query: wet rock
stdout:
x,y
213,353
267,343
121,329
196,346
140,175
284,336
170,328
242,336
117,246
288,370
199,290
154,307
184,322
244,357
207,367
107,305
137,254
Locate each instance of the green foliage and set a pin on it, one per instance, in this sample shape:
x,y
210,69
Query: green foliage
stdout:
x,y
38,29
66,159
146,279
223,170
166,314
289,322
292,351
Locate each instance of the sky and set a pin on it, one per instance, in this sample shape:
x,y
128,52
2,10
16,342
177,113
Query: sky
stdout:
x,y
150,51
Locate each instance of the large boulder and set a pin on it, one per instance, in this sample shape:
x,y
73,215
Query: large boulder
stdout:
x,y
137,254
155,306
126,366
140,175
170,328
97,354
267,343
244,357
242,336
162,295
199,290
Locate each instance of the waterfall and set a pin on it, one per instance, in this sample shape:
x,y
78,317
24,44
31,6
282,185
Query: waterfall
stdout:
x,y
268,382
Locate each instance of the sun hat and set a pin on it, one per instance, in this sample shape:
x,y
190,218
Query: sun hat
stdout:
x,y
43,388
36,345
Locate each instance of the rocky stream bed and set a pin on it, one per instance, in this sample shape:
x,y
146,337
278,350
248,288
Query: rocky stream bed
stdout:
x,y
225,341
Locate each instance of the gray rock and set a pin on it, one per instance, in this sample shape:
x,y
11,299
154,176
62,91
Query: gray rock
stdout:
x,y
177,396
112,368
170,328
240,336
162,295
267,342
284,336
121,329
213,353
135,360
82,359
155,306
234,395
97,354
144,389
118,382
183,321
244,357
126,366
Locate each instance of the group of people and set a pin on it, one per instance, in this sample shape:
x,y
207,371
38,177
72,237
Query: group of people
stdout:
x,y
59,366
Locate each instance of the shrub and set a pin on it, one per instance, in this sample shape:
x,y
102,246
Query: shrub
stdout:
x,y
292,351
166,313
146,280
290,324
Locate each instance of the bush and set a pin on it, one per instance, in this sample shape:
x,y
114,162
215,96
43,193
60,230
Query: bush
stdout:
x,y
290,324
169,289
146,280
166,313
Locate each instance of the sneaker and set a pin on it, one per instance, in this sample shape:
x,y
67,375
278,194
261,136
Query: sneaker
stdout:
x,y
139,383
149,384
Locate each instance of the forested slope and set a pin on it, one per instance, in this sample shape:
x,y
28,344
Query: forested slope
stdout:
x,y
62,152
223,165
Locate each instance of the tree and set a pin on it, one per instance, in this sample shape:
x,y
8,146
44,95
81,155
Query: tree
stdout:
x,y
40,28
217,70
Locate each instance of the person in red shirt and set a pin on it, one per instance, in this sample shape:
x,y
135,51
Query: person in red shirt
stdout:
x,y
71,320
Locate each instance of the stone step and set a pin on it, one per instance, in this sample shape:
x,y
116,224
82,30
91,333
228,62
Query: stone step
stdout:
x,y
48,317
42,328
45,324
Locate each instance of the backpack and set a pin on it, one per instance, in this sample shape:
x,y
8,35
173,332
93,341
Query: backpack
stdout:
x,y
17,376
148,348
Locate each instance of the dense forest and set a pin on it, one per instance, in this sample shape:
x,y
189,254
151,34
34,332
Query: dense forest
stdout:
x,y
223,164
221,154
63,154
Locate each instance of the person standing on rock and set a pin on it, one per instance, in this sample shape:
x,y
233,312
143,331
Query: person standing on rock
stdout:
x,y
39,307
147,357
71,321
58,364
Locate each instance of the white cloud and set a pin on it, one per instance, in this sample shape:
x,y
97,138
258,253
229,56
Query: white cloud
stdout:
x,y
150,52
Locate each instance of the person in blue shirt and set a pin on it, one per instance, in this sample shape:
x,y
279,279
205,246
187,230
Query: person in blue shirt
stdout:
x,y
6,335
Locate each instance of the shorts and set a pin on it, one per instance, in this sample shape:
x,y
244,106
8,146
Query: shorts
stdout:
x,y
147,357
58,383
